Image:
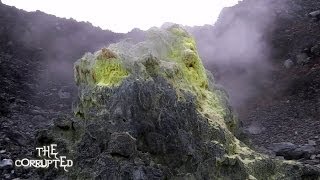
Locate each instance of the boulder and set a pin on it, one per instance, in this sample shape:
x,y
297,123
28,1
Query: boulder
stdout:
x,y
291,151
122,144
305,150
303,58
314,13
312,142
288,63
285,149
6,163
315,50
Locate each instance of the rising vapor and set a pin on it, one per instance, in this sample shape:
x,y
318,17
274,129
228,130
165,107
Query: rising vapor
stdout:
x,y
237,48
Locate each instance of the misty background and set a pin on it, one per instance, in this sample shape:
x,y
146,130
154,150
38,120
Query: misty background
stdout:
x,y
236,49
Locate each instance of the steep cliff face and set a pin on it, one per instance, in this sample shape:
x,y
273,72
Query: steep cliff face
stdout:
x,y
151,111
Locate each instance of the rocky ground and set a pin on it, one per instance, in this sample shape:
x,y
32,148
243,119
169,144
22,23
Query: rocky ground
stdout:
x,y
278,97
288,109
288,113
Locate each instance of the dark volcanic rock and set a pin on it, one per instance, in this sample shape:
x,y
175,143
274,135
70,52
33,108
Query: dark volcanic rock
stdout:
x,y
291,151
122,144
6,163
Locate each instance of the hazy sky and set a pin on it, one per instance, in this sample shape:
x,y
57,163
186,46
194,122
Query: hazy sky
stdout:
x,y
124,15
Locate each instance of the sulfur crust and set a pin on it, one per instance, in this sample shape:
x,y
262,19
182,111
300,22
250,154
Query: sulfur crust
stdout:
x,y
170,54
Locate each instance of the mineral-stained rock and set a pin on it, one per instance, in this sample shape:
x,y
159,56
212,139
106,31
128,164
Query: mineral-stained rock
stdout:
x,y
122,144
150,110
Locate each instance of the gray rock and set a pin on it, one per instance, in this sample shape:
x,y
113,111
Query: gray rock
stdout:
x,y
312,157
2,151
304,151
316,50
6,163
288,63
38,119
7,176
139,174
283,147
62,123
303,58
312,142
314,13
156,142
292,151
311,162
64,95
122,144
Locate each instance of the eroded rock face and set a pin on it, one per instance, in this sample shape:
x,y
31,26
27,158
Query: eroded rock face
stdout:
x,y
151,111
